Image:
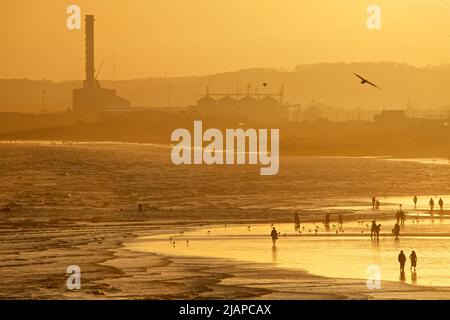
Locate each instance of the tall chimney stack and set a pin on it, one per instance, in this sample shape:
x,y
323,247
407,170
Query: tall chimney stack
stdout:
x,y
89,82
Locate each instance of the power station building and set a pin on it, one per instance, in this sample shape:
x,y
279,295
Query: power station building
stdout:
x,y
89,100
259,107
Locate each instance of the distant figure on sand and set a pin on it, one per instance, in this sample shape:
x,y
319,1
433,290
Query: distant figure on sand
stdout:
x,y
397,231
415,202
297,220
431,203
374,199
327,219
401,216
402,260
413,258
341,221
373,229
377,205
441,204
377,231
274,235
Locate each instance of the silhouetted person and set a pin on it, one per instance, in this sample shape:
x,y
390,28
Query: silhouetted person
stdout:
x,y
413,258
377,231
415,202
374,199
441,204
341,221
401,215
377,205
140,207
402,260
274,235
431,203
297,220
397,231
373,229
327,219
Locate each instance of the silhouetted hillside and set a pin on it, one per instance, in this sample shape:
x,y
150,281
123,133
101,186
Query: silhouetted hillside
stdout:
x,y
333,84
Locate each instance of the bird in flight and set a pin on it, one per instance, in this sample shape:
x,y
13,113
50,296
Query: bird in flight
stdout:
x,y
265,84
363,81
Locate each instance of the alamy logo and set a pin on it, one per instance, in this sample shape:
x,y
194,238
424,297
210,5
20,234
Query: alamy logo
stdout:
x,y
374,20
74,20
233,151
74,280
374,277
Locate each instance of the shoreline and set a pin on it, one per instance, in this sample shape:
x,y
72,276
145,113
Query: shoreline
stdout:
x,y
111,271
288,283
434,158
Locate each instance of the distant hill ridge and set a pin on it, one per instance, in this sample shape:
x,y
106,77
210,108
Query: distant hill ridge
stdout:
x,y
331,83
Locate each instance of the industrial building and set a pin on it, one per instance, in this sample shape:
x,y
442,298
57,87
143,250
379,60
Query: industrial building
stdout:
x,y
258,107
391,117
89,100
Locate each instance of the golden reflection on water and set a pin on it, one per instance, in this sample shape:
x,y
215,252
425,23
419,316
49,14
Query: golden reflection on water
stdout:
x,y
344,255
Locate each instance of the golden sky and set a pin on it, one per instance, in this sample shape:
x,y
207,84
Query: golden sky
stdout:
x,y
196,37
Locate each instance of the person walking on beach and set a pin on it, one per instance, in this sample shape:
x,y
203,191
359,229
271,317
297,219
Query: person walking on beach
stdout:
x,y
341,221
373,229
397,231
374,199
415,202
402,216
441,204
274,235
377,205
327,219
431,203
413,258
377,231
297,220
402,260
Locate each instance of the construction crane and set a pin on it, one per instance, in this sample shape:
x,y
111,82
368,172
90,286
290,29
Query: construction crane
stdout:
x,y
99,70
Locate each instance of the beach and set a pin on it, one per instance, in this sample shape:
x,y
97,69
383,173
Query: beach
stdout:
x,y
34,267
72,205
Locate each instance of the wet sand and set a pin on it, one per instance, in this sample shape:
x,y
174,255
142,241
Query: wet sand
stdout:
x,y
77,205
34,263
337,252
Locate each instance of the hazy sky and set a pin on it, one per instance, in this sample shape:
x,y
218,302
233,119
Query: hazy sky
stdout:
x,y
195,37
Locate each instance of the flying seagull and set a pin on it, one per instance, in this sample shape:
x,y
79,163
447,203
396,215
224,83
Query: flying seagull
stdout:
x,y
363,81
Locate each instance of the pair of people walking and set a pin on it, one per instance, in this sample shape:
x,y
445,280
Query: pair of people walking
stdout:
x,y
375,230
400,216
375,203
402,260
440,202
